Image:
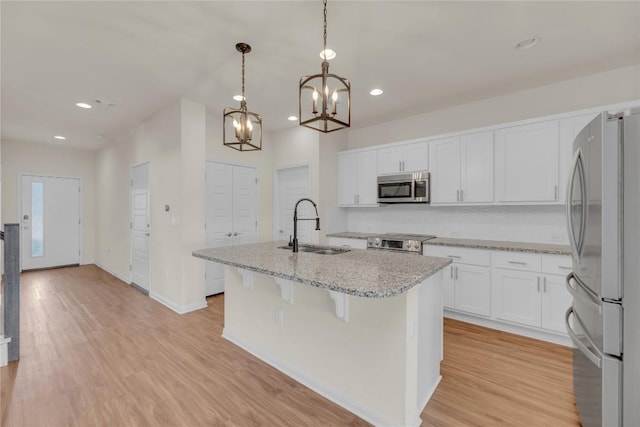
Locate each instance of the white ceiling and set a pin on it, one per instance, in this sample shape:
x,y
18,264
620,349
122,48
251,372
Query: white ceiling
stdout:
x,y
145,55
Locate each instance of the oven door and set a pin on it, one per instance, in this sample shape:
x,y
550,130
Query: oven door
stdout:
x,y
395,191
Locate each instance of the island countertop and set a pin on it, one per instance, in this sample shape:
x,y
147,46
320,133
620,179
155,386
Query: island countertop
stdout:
x,y
359,272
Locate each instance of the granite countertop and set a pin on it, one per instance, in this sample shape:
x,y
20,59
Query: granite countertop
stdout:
x,y
538,248
371,274
352,235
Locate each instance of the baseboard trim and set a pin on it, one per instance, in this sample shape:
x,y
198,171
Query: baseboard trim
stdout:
x,y
177,308
4,350
336,398
428,398
126,280
555,338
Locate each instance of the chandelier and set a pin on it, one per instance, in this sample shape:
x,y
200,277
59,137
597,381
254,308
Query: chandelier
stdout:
x,y
242,129
325,99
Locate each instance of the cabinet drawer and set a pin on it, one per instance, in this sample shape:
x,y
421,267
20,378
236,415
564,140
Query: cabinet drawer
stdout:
x,y
556,264
517,261
459,255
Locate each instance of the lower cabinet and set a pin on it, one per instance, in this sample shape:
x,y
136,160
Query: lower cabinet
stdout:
x,y
514,291
533,298
472,289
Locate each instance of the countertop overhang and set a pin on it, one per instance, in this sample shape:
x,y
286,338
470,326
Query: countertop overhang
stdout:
x,y
359,272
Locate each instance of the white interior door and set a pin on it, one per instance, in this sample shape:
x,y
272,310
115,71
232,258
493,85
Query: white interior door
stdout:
x,y
140,226
294,184
218,219
231,213
245,192
50,221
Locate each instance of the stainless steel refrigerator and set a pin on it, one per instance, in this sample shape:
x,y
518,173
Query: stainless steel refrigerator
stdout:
x,y
603,218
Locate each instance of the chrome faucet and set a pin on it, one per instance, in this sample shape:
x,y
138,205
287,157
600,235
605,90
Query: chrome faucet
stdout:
x,y
296,219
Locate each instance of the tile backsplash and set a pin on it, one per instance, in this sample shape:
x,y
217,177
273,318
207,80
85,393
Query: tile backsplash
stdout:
x,y
537,224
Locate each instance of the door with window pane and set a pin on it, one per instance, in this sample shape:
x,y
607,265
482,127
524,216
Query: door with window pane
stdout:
x,y
50,220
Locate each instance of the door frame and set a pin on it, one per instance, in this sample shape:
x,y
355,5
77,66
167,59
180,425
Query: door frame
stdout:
x,y
80,207
130,275
276,192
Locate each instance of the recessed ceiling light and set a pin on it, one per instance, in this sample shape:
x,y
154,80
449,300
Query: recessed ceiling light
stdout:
x,y
528,43
60,137
292,118
238,97
329,53
83,105
376,92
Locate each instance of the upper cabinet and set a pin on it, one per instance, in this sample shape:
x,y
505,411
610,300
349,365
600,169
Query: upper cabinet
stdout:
x,y
462,169
357,178
411,157
527,163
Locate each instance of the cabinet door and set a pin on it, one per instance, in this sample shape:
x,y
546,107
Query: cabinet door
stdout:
x,y
527,163
415,157
472,289
476,168
347,179
389,160
518,296
448,289
555,302
445,170
367,178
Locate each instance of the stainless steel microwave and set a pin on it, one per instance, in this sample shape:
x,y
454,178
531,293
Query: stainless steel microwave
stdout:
x,y
404,188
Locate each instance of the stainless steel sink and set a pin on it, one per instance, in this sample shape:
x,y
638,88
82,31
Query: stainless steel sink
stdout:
x,y
321,250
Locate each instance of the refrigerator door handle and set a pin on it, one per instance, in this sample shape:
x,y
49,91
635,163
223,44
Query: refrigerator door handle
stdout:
x,y
576,245
595,358
583,295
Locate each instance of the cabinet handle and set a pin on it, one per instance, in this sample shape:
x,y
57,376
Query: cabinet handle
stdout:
x,y
457,195
451,271
544,284
562,267
538,283
517,262
400,165
228,234
235,234
462,195
453,256
456,275
555,192
403,167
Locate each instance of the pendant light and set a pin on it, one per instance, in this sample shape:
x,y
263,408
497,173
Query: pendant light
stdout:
x,y
325,99
242,129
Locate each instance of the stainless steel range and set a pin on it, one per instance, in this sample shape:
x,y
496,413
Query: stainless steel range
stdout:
x,y
398,242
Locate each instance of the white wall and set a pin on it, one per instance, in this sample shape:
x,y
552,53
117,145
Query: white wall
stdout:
x,y
531,224
54,160
333,219
611,87
173,141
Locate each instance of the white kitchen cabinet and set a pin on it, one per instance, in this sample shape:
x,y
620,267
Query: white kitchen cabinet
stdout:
x,y
472,289
527,163
555,302
518,296
411,157
462,169
357,178
530,289
347,242
467,281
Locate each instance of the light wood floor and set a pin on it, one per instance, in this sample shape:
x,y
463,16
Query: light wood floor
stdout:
x,y
97,352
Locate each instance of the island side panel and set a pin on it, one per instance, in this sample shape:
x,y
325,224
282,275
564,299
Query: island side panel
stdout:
x,y
430,338
360,364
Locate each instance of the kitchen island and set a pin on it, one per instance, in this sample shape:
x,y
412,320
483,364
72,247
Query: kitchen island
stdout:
x,y
362,328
